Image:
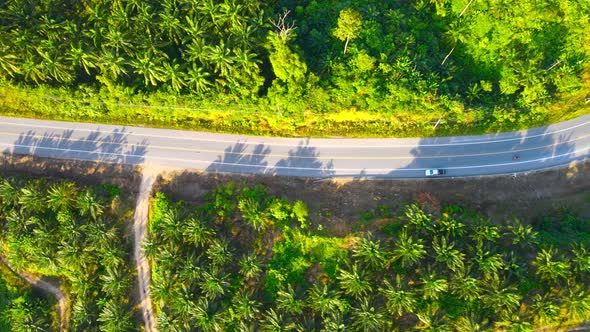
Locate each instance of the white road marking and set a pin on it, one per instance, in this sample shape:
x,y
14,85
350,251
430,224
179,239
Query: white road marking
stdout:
x,y
285,167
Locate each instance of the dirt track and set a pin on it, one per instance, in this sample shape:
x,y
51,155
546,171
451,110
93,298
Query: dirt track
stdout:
x,y
140,223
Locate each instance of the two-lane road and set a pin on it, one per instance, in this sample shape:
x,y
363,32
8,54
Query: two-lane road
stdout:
x,y
536,148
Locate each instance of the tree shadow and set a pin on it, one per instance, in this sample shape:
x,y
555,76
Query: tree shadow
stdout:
x,y
301,161
503,153
112,147
236,159
304,160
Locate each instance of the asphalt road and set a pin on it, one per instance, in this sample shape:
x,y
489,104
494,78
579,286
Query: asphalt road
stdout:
x,y
537,148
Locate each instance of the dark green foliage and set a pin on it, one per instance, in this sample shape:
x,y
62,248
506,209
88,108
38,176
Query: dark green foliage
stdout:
x,y
77,234
264,267
329,67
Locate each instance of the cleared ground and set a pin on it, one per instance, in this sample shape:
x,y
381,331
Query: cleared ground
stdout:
x,y
340,204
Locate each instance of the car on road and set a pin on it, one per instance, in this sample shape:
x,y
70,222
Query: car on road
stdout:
x,y
435,172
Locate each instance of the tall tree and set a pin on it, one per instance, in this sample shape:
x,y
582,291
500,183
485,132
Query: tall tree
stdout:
x,y
349,25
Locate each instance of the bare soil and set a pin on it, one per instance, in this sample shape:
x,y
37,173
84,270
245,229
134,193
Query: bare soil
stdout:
x,y
339,204
126,177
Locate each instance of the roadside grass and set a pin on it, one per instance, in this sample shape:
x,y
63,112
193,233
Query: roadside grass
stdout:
x,y
119,106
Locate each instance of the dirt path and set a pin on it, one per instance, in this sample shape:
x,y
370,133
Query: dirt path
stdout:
x,y
48,288
140,231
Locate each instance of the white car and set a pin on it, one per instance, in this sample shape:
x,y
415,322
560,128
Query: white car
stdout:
x,y
435,172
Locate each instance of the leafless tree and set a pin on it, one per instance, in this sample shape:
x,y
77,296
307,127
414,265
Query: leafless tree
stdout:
x,y
283,28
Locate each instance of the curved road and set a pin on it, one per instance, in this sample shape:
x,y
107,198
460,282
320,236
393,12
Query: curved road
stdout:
x,y
537,148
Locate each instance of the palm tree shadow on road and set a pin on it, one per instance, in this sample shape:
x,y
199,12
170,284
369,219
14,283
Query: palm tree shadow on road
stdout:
x,y
301,161
502,153
112,148
236,159
304,161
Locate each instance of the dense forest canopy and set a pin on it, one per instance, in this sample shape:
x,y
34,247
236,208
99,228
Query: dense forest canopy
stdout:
x,y
246,260
498,55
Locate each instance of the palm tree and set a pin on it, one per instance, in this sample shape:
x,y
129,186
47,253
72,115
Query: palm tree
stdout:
x,y
504,301
581,259
8,63
169,21
221,58
81,316
219,253
250,208
53,65
417,218
274,322
148,66
445,253
115,282
197,79
354,283
195,29
489,264
115,316
31,69
432,287
366,318
196,232
471,322
88,205
111,256
456,34
31,198
150,248
117,40
399,299
243,307
111,64
325,302
189,271
407,251
174,75
577,304
204,320
249,266
62,196
23,316
431,318
169,226
450,226
288,303
483,231
549,269
370,253
465,287
334,323
521,234
161,286
545,311
9,193
212,286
